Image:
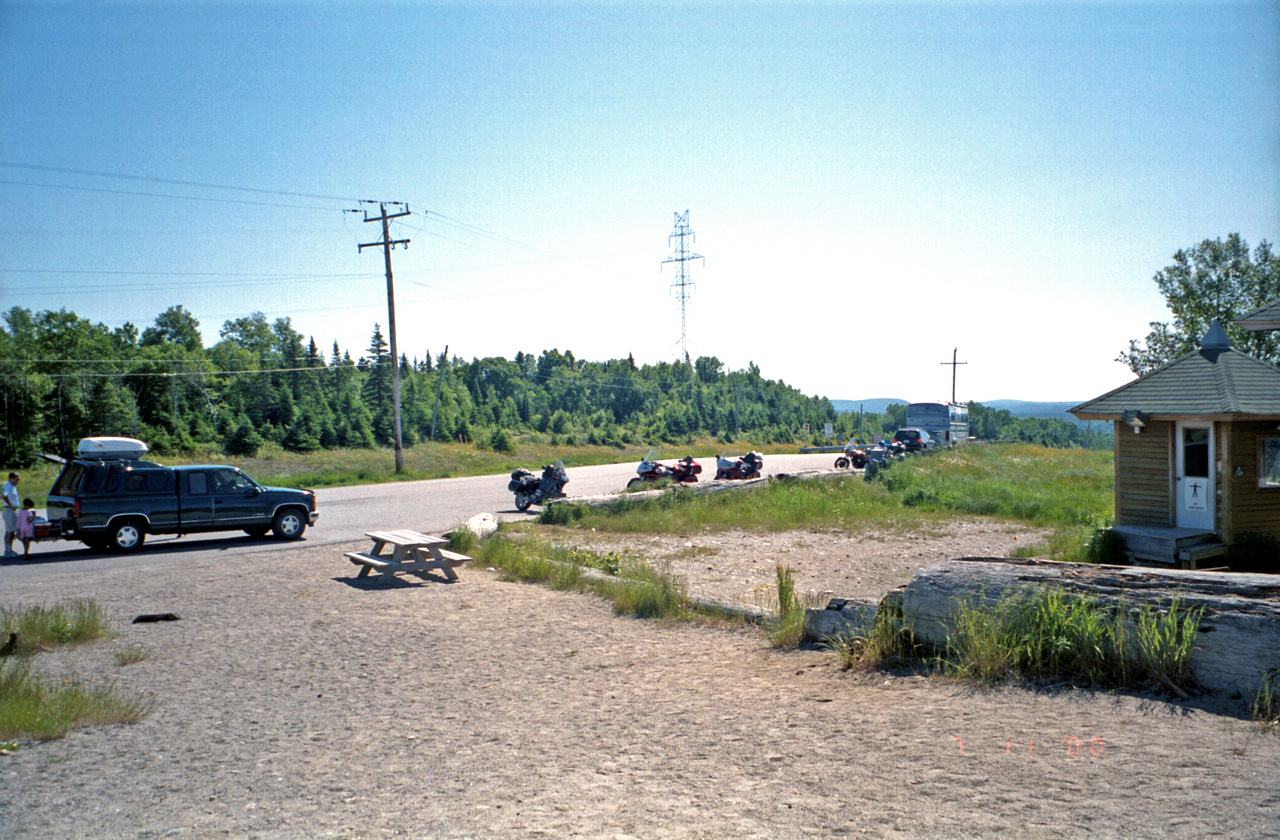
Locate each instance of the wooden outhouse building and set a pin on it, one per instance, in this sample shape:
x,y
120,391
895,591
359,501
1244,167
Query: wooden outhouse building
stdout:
x,y
1197,453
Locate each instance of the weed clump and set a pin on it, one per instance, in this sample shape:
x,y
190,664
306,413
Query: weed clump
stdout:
x,y
68,623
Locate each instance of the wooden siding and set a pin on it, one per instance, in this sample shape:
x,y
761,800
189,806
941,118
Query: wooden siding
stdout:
x,y
1252,509
1144,475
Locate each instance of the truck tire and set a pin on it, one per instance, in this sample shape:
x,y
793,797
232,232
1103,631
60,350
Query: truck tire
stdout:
x,y
289,524
127,535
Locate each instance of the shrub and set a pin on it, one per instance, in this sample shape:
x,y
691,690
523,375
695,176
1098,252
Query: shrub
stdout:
x,y
1253,552
501,441
244,440
561,514
1106,547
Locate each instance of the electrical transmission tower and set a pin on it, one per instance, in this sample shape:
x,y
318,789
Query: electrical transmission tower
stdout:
x,y
683,286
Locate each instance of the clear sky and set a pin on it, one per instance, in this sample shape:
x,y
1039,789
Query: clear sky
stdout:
x,y
871,185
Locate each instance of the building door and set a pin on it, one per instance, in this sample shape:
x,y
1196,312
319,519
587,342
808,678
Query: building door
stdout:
x,y
1194,479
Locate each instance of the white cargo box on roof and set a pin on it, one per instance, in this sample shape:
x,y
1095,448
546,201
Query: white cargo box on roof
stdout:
x,y
111,449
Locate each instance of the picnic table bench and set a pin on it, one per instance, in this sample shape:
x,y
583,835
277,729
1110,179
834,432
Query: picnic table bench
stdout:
x,y
410,553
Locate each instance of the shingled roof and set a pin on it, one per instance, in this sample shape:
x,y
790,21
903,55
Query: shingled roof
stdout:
x,y
1214,380
1263,318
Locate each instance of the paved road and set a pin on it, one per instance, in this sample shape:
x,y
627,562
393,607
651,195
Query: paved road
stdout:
x,y
346,513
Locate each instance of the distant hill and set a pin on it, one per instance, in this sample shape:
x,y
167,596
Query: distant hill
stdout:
x,y
1018,408
876,406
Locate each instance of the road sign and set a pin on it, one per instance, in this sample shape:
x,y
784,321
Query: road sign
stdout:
x,y
806,427
830,430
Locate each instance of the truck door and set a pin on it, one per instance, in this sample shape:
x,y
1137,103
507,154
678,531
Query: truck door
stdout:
x,y
237,499
196,500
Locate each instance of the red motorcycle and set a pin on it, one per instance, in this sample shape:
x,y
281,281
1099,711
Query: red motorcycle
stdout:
x,y
853,456
684,471
746,467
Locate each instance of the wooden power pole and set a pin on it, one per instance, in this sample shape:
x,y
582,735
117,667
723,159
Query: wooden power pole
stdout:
x,y
954,364
386,245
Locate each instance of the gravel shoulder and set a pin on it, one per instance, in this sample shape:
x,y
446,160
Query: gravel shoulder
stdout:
x,y
292,700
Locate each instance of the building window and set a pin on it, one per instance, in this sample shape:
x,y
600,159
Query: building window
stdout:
x,y
1269,462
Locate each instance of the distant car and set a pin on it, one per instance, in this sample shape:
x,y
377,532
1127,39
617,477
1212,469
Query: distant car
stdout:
x,y
913,440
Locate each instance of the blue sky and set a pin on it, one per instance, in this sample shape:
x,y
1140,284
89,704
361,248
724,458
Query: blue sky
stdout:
x,y
871,185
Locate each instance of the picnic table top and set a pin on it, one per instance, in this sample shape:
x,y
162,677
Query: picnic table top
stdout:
x,y
405,538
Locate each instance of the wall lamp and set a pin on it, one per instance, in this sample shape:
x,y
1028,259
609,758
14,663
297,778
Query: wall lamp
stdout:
x,y
1135,419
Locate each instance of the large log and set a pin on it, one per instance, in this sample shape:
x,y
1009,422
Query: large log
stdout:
x,y
1239,637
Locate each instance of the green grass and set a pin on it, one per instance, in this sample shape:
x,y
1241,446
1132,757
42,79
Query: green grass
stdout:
x,y
636,589
1047,636
67,623
1266,702
1066,490
887,644
43,710
1052,635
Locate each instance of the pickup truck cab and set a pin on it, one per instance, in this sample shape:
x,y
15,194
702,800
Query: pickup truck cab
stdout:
x,y
116,502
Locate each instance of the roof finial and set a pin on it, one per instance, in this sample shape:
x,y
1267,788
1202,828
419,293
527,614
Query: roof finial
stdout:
x,y
1215,338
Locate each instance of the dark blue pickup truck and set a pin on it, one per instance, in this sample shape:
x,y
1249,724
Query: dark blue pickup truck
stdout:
x,y
115,503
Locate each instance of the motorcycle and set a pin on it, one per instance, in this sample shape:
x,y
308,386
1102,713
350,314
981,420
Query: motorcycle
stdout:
x,y
684,471
746,467
853,456
534,490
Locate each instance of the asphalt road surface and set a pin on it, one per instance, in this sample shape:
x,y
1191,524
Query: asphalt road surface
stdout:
x,y
346,513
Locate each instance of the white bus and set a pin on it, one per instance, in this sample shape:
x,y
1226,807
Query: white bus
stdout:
x,y
946,423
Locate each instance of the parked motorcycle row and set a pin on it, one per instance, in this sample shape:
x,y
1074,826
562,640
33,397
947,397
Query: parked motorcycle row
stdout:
x,y
858,457
530,489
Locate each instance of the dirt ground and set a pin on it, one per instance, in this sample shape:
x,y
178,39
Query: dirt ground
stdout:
x,y
293,700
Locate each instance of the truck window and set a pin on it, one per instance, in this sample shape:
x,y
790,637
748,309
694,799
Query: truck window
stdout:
x,y
69,481
115,478
197,484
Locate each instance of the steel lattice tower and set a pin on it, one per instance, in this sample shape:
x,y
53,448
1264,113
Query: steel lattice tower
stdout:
x,y
683,286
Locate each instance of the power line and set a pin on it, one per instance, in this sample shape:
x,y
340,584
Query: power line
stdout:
x,y
125,177
166,195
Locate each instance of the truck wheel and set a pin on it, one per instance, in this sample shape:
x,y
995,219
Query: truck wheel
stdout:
x,y
257,531
127,536
289,524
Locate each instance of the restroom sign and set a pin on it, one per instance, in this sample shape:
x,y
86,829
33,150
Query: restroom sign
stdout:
x,y
1195,497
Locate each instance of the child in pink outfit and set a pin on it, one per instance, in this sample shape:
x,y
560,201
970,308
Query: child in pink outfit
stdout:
x,y
27,525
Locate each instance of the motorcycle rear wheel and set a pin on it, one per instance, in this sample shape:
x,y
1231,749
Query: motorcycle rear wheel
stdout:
x,y
523,503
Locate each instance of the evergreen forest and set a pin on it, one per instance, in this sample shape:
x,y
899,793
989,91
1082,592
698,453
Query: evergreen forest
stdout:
x,y
63,378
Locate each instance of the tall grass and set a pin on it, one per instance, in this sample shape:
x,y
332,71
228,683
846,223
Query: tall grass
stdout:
x,y
1040,637
1055,635
67,623
33,707
887,643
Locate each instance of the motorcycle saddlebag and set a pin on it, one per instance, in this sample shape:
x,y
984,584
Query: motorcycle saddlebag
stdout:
x,y
517,479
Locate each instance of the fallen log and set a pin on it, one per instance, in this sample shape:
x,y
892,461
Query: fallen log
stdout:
x,y
1239,635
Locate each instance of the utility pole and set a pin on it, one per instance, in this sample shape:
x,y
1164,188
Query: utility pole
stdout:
x,y
682,256
953,364
386,244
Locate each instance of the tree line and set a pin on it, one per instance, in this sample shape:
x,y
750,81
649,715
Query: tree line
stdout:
x,y
63,377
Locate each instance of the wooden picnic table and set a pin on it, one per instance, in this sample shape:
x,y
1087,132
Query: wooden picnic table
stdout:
x,y
410,553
